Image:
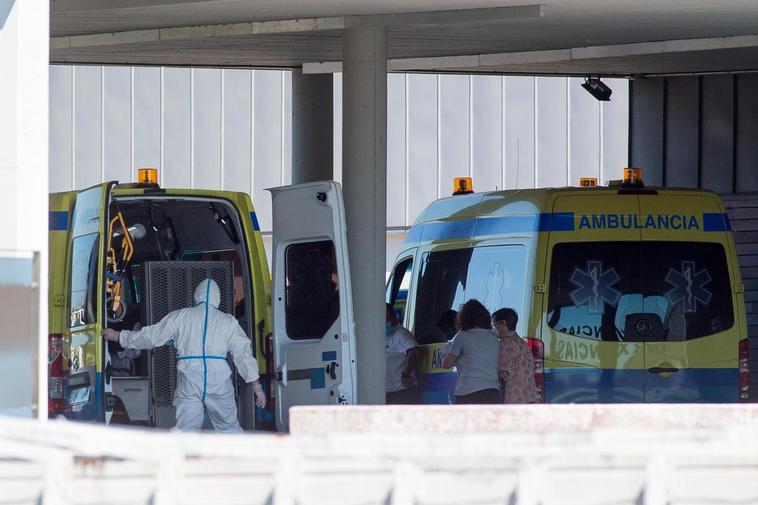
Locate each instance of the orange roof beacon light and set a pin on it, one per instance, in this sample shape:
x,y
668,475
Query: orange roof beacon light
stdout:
x,y
147,176
587,182
462,186
633,177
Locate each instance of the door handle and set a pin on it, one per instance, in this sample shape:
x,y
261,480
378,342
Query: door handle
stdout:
x,y
662,369
331,369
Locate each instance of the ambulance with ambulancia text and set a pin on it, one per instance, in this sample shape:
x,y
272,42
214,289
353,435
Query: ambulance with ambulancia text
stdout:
x,y
625,293
124,255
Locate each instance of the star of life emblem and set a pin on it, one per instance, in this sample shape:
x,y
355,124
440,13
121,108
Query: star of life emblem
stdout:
x,y
594,287
688,286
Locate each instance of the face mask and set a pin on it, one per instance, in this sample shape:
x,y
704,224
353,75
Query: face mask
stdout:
x,y
388,329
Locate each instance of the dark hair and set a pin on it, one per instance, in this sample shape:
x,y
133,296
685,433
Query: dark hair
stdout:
x,y
474,315
390,311
447,318
507,315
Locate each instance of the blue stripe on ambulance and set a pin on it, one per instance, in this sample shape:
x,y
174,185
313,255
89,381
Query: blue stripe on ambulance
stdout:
x,y
254,218
609,385
57,220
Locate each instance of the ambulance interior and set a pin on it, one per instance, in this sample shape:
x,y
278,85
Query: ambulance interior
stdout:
x,y
177,230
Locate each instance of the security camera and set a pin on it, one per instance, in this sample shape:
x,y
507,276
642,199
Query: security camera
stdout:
x,y
597,88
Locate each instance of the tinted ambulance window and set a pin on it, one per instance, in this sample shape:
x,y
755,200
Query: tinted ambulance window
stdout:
x,y
493,275
312,303
397,287
84,257
599,290
687,284
589,283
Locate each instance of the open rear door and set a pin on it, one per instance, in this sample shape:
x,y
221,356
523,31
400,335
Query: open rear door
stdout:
x,y
88,382
314,329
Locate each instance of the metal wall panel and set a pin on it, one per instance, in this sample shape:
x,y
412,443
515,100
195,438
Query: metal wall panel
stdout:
x,y
717,114
682,151
61,128
337,125
87,126
519,132
487,132
585,131
453,144
206,122
146,119
117,135
647,119
552,132
396,166
614,131
237,134
747,133
177,128
269,147
422,145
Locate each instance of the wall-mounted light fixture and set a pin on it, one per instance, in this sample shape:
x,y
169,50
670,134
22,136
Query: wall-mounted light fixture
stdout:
x,y
597,88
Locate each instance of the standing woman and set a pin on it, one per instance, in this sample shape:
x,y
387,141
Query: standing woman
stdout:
x,y
474,351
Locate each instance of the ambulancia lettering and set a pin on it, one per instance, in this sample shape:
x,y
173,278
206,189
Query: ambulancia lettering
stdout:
x,y
637,222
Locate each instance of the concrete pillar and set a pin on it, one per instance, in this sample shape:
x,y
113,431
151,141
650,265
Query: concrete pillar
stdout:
x,y
312,130
24,49
364,175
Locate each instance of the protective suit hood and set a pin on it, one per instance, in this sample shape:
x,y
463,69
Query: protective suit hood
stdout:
x,y
214,295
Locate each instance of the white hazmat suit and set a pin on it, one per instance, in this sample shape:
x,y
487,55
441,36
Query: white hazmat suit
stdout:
x,y
203,335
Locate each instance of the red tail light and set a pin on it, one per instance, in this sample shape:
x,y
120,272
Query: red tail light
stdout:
x,y
744,354
538,353
55,399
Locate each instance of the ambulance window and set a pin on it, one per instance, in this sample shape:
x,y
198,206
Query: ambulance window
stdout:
x,y
593,287
441,286
312,301
84,257
688,285
398,285
496,277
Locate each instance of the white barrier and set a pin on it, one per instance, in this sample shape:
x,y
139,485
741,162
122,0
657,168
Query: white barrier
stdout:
x,y
66,463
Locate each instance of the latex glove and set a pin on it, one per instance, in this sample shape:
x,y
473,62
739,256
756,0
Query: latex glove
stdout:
x,y
260,397
109,334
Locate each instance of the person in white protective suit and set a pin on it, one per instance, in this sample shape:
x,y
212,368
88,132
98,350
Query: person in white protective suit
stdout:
x,y
203,335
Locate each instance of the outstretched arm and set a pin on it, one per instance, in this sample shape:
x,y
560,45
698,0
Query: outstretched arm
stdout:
x,y
148,337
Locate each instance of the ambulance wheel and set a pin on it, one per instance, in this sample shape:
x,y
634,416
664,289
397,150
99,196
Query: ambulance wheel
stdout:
x,y
117,316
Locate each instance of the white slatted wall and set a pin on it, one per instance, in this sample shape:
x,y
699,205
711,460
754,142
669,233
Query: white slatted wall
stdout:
x,y
231,129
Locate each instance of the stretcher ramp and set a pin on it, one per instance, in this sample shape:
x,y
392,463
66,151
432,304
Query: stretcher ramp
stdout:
x,y
584,461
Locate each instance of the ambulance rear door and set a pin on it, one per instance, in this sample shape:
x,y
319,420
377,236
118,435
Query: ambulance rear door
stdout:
x,y
690,305
88,382
314,328
593,288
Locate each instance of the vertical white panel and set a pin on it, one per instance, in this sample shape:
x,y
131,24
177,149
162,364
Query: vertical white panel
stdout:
x,y
147,118
176,128
396,169
286,127
337,122
584,132
61,118
422,142
117,134
237,130
268,141
87,131
487,133
206,121
454,130
519,132
551,132
615,130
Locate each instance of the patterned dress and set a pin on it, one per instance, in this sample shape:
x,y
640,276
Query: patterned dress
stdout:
x,y
516,369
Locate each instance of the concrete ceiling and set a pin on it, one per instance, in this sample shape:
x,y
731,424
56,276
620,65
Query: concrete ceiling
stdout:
x,y
567,37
